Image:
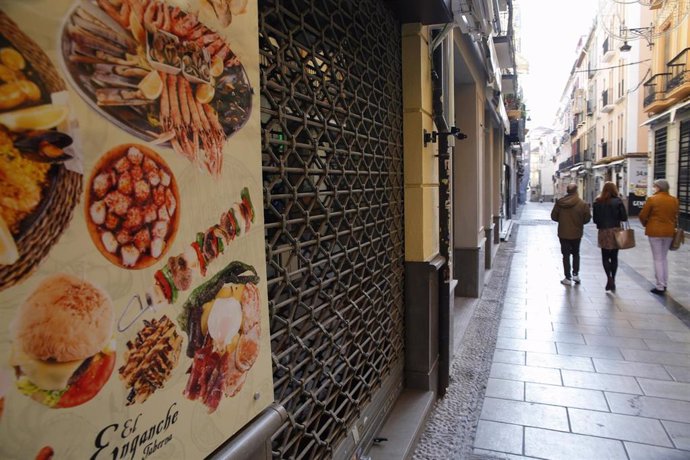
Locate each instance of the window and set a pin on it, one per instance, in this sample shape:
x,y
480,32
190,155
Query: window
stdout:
x,y
660,153
684,175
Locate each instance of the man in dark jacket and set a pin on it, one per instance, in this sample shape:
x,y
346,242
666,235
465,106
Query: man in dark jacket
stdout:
x,y
572,214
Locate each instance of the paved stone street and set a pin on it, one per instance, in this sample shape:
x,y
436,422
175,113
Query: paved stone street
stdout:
x,y
577,373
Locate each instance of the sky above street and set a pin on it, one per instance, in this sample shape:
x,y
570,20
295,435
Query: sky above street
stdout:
x,y
550,32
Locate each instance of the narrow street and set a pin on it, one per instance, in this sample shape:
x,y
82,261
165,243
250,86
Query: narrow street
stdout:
x,y
569,372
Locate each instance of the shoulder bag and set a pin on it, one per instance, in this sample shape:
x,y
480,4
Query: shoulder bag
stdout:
x,y
678,239
625,236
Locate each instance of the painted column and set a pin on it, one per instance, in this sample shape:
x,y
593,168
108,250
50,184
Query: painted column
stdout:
x,y
422,260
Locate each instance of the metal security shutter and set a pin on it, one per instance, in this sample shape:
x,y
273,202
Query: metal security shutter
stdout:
x,y
331,114
684,175
660,153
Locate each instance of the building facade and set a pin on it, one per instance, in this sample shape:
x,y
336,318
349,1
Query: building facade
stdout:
x,y
666,102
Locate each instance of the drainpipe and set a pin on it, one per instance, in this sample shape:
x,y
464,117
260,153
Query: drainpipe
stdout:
x,y
445,305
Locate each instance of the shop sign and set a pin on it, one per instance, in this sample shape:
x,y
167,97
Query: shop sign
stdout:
x,y
637,184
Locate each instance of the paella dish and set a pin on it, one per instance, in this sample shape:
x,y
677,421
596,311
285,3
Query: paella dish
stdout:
x,y
33,149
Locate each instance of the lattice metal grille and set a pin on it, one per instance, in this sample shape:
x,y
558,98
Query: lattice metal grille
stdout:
x,y
333,189
660,153
684,175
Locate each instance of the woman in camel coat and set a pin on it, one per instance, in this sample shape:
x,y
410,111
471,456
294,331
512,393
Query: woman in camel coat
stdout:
x,y
659,217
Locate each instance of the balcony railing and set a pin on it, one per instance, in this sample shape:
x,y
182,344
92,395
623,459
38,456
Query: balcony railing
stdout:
x,y
607,100
678,67
565,164
655,88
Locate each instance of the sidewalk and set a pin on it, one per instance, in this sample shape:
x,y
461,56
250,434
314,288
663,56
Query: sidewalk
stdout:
x,y
576,373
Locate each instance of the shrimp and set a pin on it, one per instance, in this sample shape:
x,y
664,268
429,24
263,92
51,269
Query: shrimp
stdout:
x,y
121,15
174,104
184,105
167,20
194,113
165,106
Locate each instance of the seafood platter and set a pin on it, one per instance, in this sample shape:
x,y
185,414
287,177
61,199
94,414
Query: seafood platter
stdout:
x,y
159,73
37,191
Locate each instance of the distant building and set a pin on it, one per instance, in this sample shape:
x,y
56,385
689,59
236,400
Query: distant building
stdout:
x,y
601,110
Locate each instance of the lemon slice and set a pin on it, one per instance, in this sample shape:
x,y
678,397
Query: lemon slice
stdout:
x,y
216,66
39,117
151,85
204,93
238,7
8,249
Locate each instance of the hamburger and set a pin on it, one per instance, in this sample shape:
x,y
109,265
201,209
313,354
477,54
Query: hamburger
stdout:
x,y
61,342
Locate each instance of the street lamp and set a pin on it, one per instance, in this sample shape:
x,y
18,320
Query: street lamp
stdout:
x,y
644,32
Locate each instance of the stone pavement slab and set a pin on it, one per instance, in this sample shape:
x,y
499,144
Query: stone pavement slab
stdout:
x,y
568,446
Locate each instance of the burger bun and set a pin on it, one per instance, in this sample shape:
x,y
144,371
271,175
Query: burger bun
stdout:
x,y
64,319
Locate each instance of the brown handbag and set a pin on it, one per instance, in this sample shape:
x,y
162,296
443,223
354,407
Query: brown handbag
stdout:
x,y
625,236
678,239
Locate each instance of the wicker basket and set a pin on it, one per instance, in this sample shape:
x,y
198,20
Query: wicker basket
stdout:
x,y
55,214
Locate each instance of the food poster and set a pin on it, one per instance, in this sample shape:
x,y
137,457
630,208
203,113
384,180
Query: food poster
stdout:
x,y
133,306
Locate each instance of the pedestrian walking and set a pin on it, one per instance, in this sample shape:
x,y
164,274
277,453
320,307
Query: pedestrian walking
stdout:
x,y
609,212
659,217
571,213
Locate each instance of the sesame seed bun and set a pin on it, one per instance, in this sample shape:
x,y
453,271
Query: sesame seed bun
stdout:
x,y
64,319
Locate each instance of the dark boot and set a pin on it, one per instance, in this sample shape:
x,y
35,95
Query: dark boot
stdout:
x,y
613,284
609,284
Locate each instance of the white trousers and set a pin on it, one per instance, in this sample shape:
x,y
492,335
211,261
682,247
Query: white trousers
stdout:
x,y
660,247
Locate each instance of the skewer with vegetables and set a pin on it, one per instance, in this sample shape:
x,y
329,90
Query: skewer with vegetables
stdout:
x,y
178,273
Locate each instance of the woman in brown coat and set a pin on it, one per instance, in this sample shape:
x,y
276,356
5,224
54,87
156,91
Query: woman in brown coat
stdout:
x,y
659,216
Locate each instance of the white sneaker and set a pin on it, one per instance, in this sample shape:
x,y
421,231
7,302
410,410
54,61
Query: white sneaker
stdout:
x,y
566,282
576,279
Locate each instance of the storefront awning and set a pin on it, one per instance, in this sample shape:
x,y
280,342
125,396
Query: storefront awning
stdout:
x,y
576,168
671,113
607,165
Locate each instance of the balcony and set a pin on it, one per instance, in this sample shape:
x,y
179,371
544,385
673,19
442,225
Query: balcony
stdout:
x,y
514,107
565,164
608,51
655,99
517,131
607,104
678,84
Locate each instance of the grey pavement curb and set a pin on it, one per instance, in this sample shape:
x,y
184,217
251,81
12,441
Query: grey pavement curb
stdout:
x,y
451,427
